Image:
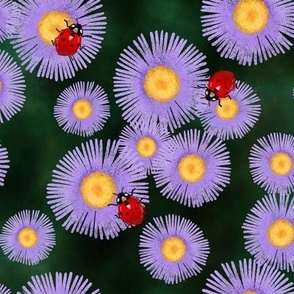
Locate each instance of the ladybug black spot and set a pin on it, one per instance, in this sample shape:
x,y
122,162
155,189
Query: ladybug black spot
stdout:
x,y
71,45
218,80
226,87
127,213
63,39
136,207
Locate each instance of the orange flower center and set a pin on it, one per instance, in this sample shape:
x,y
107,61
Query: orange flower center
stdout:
x,y
49,22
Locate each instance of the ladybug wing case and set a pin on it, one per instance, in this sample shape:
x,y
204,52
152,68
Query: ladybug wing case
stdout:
x,y
132,212
228,82
67,44
222,83
138,209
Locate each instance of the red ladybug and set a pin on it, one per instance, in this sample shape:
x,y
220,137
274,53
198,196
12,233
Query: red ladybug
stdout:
x,y
69,40
130,209
220,85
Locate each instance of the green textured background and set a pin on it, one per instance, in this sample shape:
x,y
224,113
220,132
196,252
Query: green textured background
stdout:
x,y
35,144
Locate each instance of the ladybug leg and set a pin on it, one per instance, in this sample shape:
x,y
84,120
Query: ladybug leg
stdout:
x,y
219,103
229,96
128,225
141,202
133,191
53,43
200,87
58,30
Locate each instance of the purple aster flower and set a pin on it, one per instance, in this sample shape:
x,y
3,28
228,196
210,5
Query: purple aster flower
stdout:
x,y
82,109
4,164
173,249
12,86
144,140
84,183
4,289
248,278
236,116
62,283
193,168
38,29
159,81
27,237
269,231
271,163
249,31
9,14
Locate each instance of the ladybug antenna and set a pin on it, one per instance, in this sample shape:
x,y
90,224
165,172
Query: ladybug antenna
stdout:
x,y
66,22
77,22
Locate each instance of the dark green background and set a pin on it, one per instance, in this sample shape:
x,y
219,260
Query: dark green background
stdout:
x,y
35,144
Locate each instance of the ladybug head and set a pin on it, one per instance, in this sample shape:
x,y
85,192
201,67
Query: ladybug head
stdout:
x,y
122,197
76,28
210,95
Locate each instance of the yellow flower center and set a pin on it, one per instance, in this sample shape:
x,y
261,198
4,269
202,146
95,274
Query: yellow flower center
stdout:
x,y
191,168
82,109
281,233
281,163
251,16
146,147
27,237
249,292
97,189
173,249
161,83
51,21
229,109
